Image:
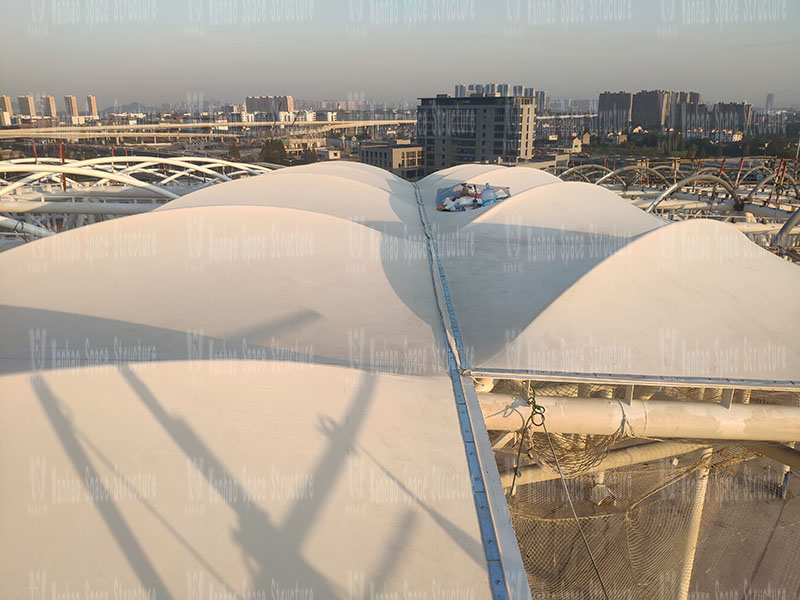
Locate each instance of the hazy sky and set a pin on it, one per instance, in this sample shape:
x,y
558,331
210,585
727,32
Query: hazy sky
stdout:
x,y
158,51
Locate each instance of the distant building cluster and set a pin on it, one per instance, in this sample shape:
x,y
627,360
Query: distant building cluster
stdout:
x,y
668,112
502,89
42,111
481,122
499,122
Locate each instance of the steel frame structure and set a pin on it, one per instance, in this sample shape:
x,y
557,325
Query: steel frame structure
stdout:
x,y
30,211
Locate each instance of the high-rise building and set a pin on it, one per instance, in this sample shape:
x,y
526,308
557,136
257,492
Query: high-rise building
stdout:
x,y
690,119
614,112
49,106
72,105
770,103
683,114
461,90
26,106
731,118
5,105
650,109
516,90
92,102
454,131
529,92
541,101
583,105
269,104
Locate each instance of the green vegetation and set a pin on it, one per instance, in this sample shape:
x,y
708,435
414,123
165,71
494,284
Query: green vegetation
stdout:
x,y
233,152
309,155
273,151
654,145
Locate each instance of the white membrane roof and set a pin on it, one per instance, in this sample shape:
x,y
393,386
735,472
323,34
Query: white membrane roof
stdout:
x,y
569,280
236,480
267,355
261,281
258,338
391,209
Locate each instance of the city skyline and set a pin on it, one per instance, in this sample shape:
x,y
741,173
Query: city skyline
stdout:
x,y
382,50
198,102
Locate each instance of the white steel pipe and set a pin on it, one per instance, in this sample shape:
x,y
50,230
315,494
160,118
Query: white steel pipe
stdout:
x,y
698,502
42,171
622,457
785,454
647,418
71,208
19,227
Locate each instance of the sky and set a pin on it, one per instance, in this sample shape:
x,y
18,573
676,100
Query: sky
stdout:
x,y
160,51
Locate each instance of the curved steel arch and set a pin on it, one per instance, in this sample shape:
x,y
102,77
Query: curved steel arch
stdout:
x,y
753,170
178,174
212,162
144,167
141,166
696,177
629,168
26,180
138,164
41,159
766,180
715,170
787,227
228,163
42,171
580,168
157,173
670,171
187,164
144,162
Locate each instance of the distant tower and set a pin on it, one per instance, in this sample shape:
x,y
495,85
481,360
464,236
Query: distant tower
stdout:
x,y
92,102
26,106
49,106
5,105
72,106
768,106
541,101
460,91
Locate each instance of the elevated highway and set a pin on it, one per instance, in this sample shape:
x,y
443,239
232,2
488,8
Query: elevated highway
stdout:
x,y
189,130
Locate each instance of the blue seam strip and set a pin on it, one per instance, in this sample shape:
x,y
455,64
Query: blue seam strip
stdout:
x,y
448,302
497,579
